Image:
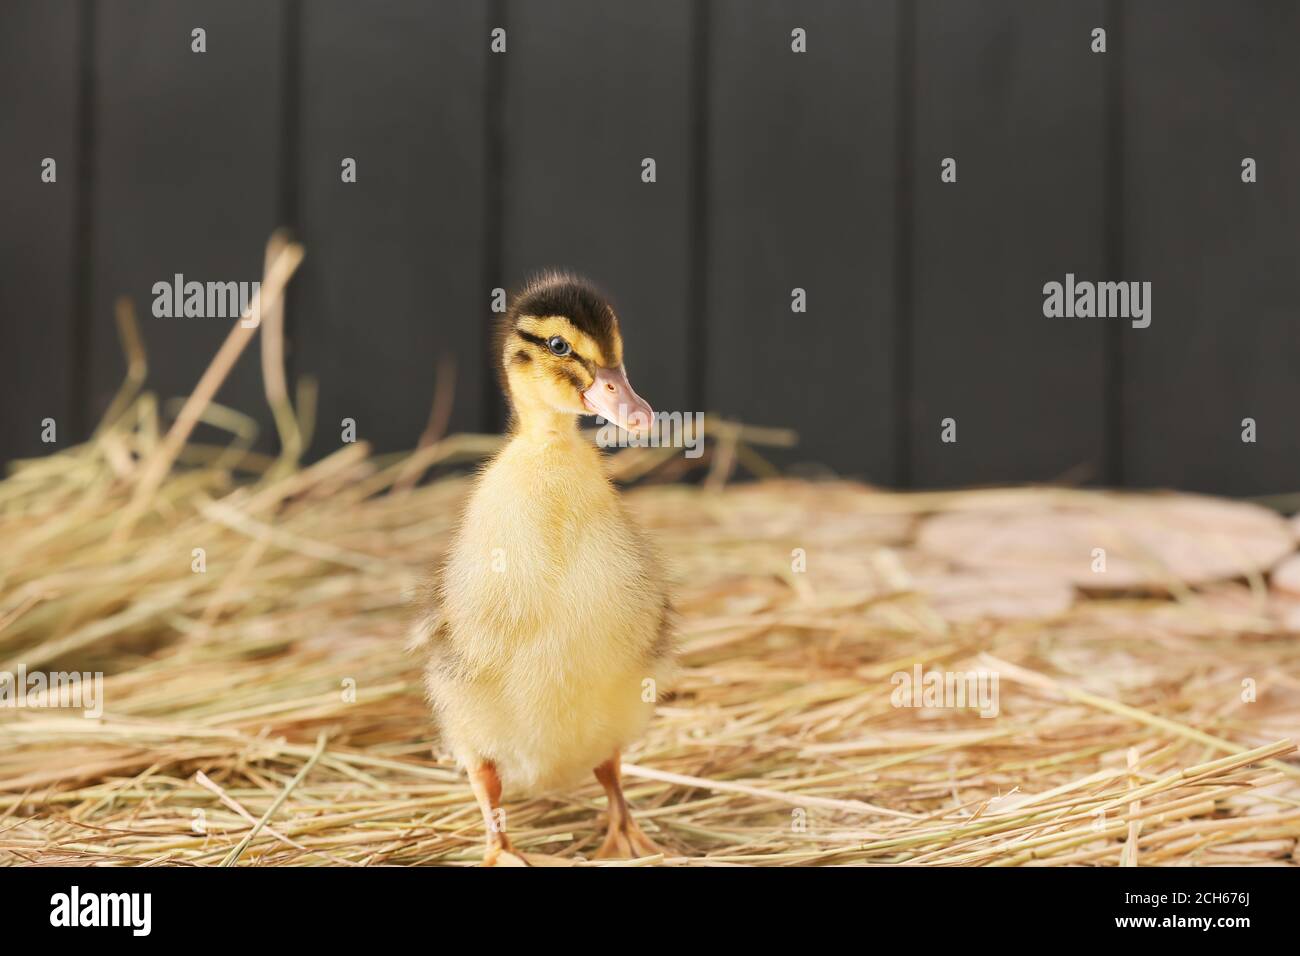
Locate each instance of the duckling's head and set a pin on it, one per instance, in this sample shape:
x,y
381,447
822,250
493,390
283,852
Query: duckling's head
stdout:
x,y
561,351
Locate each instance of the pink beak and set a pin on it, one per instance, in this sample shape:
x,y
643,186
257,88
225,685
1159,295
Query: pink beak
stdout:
x,y
612,398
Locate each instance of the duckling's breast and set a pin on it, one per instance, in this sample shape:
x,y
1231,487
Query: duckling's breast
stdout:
x,y
551,650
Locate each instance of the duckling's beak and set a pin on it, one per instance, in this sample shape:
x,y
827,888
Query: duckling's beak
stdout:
x,y
612,398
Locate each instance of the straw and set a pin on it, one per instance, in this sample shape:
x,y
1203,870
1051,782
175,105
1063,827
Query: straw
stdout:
x,y
1124,732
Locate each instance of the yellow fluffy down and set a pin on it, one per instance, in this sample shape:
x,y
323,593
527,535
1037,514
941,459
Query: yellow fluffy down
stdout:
x,y
549,647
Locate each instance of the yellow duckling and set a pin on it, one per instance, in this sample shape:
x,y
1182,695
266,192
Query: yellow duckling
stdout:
x,y
548,630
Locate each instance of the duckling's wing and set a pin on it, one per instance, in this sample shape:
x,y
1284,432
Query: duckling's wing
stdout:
x,y
427,617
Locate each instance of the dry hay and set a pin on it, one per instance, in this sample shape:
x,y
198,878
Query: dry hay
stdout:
x,y
229,734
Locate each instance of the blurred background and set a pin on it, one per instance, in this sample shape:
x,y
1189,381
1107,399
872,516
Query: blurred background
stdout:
x,y
775,170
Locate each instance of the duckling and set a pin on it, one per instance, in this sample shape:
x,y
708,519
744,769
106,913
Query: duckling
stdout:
x,y
548,629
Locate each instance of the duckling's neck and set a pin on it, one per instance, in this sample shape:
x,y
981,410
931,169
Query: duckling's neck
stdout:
x,y
542,424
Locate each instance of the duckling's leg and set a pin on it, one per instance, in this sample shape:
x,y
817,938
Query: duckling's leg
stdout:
x,y
624,839
487,791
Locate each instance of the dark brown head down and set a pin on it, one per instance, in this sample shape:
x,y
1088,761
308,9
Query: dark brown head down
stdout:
x,y
572,297
576,298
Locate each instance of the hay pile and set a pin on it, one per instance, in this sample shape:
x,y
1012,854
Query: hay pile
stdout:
x,y
263,711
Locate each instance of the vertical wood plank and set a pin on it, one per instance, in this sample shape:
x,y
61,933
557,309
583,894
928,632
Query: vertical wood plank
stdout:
x,y
801,178
590,90
39,73
186,179
394,277
1207,84
1012,92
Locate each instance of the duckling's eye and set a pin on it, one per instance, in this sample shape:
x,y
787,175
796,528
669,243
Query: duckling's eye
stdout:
x,y
558,345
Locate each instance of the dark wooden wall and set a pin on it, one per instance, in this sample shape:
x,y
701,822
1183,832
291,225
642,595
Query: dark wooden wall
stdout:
x,y
775,171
